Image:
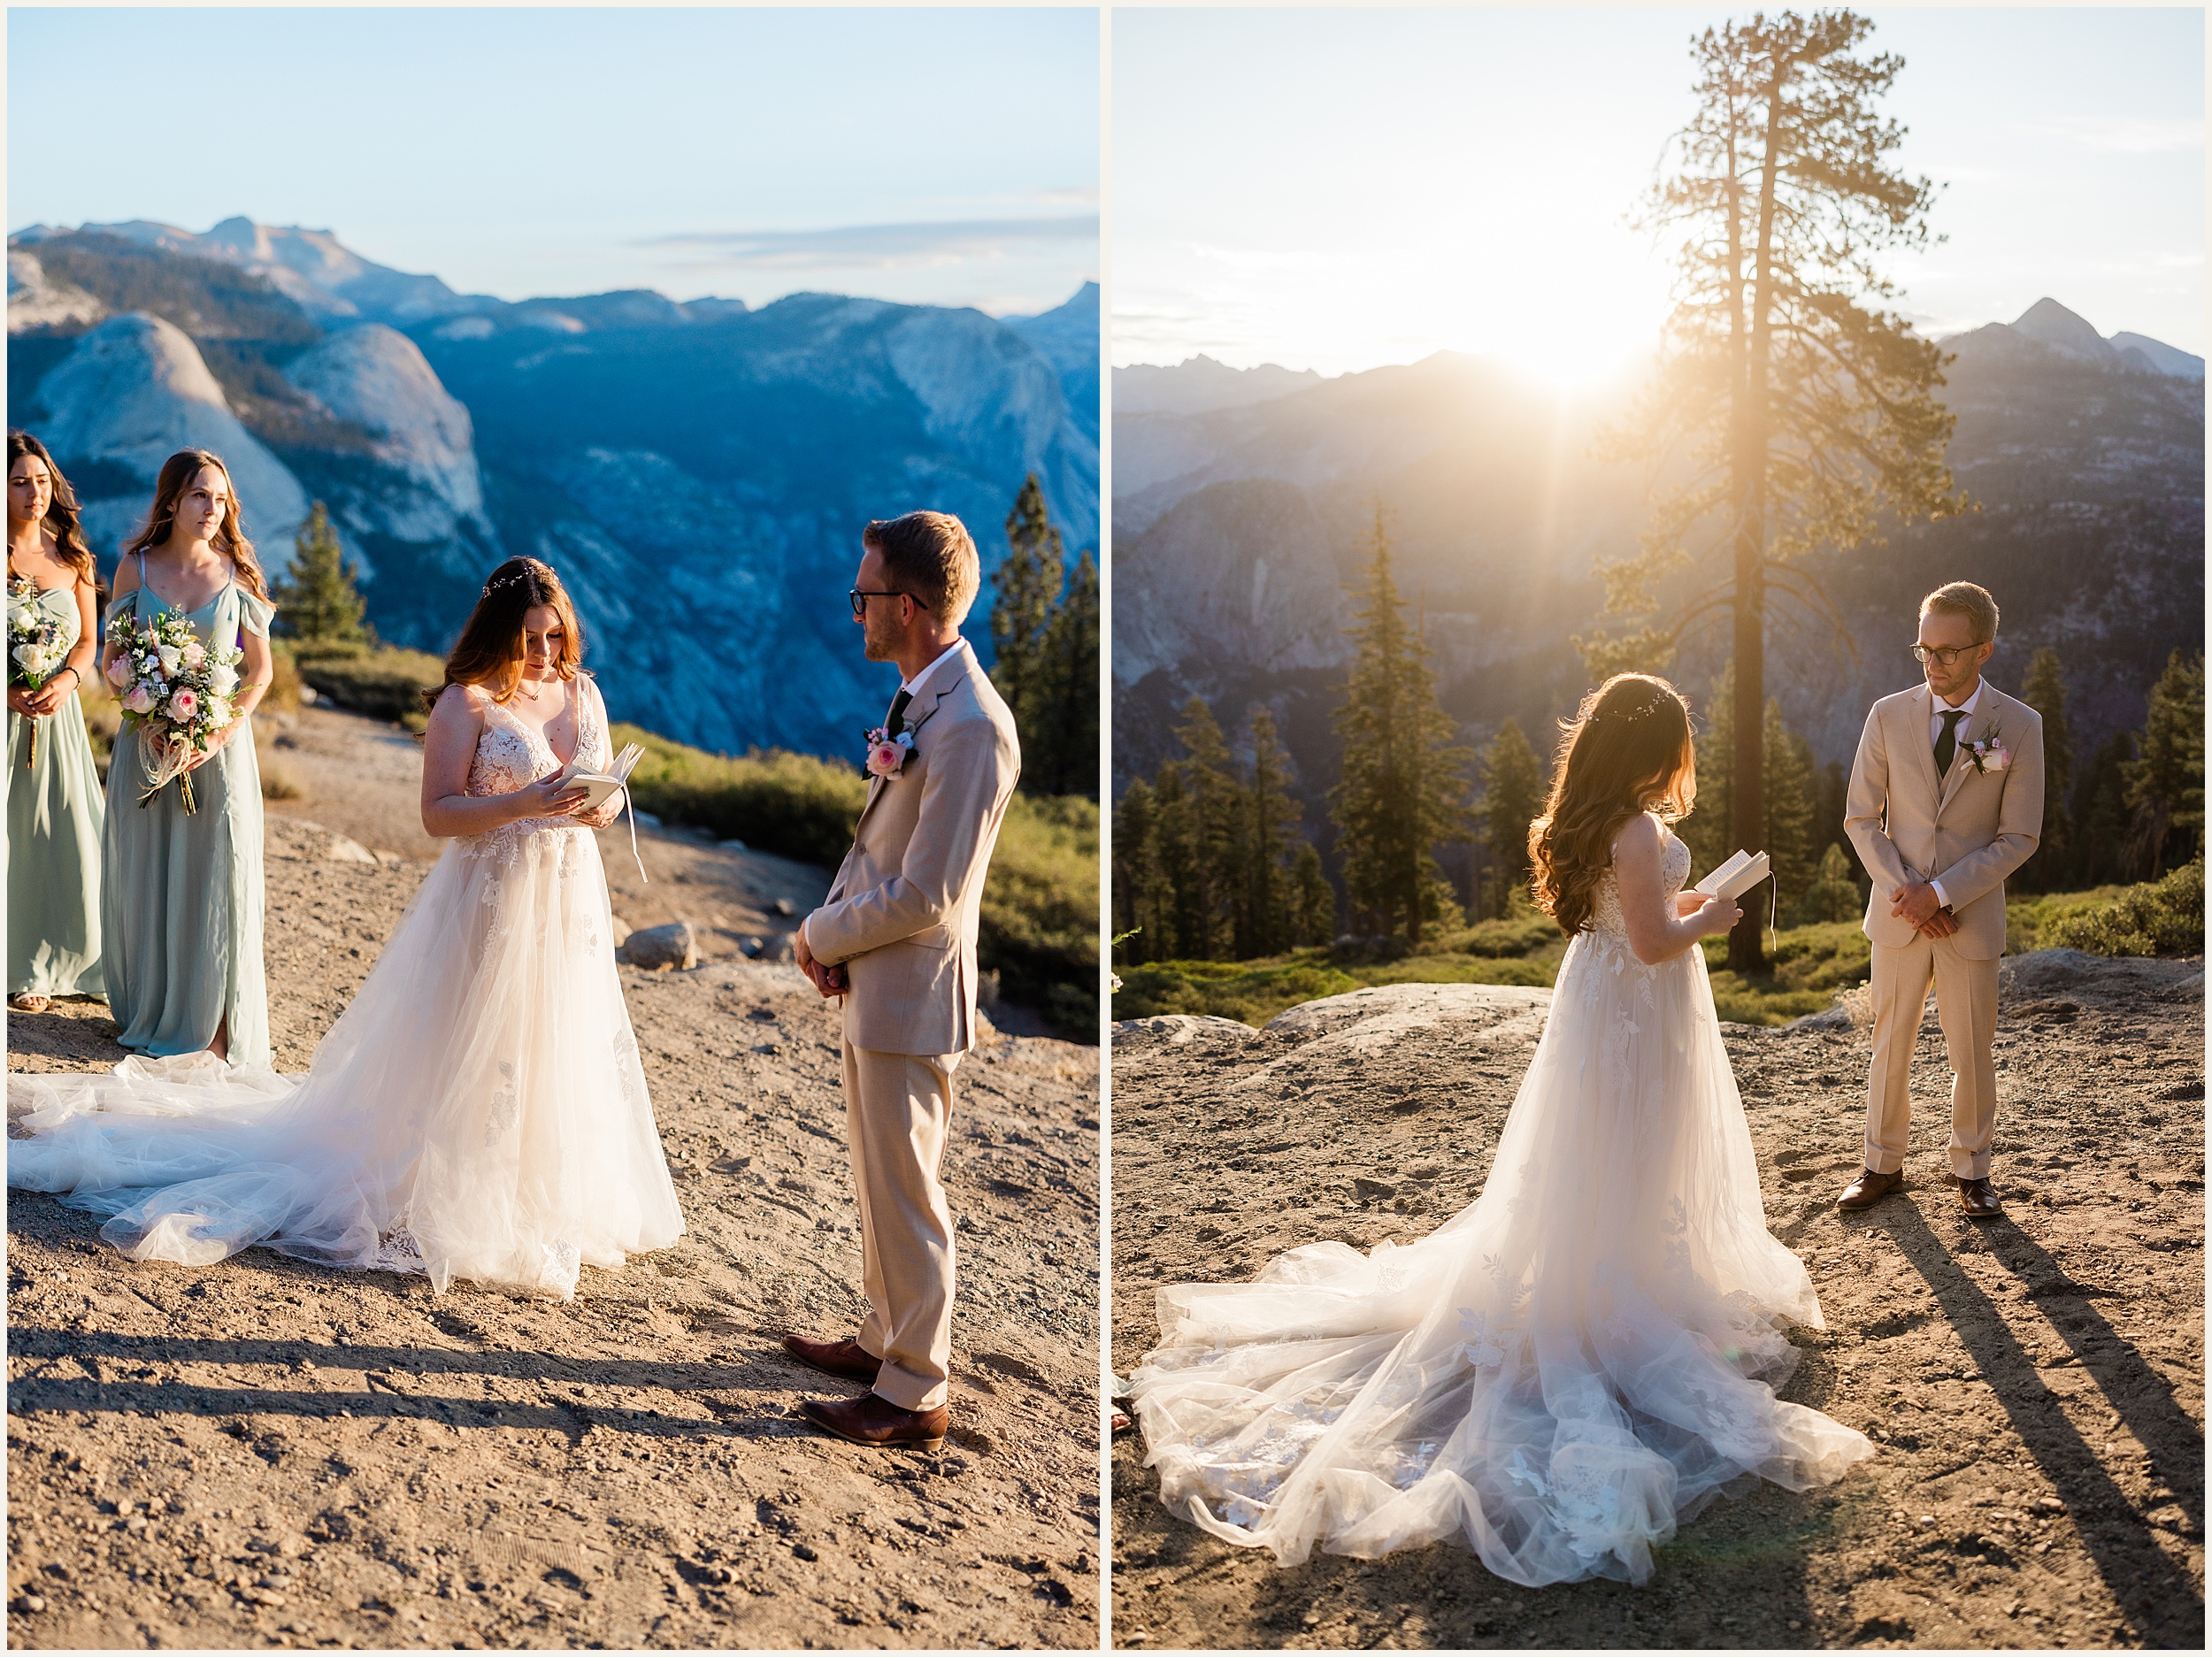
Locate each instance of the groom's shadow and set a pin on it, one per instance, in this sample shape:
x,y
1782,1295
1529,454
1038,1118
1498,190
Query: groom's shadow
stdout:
x,y
2161,1602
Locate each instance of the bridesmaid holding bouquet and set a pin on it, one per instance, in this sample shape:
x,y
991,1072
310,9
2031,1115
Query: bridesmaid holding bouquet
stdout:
x,y
54,810
181,907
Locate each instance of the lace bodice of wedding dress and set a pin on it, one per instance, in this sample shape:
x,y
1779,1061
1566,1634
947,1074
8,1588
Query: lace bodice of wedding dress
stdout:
x,y
1559,1374
1605,903
479,1111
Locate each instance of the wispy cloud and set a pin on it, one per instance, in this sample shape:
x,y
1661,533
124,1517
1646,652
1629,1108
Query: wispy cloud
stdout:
x,y
2125,134
879,247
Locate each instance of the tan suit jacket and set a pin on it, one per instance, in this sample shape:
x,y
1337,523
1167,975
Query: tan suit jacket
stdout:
x,y
1969,829
902,914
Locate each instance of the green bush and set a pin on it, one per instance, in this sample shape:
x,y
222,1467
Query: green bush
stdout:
x,y
2160,918
386,683
1515,935
2029,921
1253,991
794,805
1039,925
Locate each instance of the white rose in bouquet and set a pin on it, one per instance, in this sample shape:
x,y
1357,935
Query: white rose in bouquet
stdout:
x,y
171,659
224,680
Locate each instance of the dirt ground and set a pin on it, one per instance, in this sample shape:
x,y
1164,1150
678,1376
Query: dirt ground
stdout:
x,y
264,1453
2035,1383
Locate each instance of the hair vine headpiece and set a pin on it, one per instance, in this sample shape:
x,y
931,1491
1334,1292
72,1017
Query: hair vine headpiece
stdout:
x,y
510,579
1626,715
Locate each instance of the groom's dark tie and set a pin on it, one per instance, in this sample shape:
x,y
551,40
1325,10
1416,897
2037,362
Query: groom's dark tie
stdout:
x,y
1948,744
896,723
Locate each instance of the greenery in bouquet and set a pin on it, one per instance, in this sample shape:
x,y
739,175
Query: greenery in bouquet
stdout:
x,y
36,649
175,693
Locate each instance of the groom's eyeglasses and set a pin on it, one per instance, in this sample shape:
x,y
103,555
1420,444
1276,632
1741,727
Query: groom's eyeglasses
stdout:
x,y
860,597
1945,657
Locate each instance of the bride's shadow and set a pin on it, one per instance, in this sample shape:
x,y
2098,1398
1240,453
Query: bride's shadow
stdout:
x,y
59,1372
2157,1597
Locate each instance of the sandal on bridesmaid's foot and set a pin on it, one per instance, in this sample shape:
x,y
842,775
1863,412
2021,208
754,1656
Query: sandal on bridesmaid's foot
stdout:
x,y
29,1001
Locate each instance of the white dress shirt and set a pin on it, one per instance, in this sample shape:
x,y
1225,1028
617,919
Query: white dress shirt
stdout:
x,y
915,684
1937,709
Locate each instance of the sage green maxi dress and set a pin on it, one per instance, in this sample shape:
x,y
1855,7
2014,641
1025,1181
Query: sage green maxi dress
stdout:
x,y
54,813
181,903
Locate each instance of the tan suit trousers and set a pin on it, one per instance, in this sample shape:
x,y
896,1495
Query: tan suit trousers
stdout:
x,y
898,1106
1966,1006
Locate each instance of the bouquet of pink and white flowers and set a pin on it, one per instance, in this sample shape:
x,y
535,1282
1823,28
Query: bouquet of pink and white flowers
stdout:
x,y
175,693
35,650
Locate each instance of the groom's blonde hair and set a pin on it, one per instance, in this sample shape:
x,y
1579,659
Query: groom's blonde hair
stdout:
x,y
1963,598
932,556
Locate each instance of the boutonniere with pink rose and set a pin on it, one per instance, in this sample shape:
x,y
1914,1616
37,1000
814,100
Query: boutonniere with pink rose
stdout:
x,y
886,754
1989,753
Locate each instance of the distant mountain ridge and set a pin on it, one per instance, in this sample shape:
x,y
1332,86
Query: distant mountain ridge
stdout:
x,y
698,473
1236,528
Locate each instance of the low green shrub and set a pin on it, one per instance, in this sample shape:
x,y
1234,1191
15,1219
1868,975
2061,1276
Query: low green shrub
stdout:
x,y
1038,929
794,805
386,683
2159,918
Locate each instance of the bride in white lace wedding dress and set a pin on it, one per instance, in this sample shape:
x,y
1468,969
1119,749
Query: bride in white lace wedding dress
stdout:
x,y
1588,1354
479,1111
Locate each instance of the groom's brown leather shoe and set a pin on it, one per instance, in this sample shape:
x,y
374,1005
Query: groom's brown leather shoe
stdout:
x,y
846,1358
874,1419
1976,1197
1869,1188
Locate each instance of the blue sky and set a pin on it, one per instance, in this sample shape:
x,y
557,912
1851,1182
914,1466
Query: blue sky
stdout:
x,y
1338,188
932,155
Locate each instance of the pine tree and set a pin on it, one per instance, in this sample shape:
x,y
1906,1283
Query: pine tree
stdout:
x,y
1067,693
1214,791
1027,584
1785,827
2045,691
1403,788
1793,410
1512,797
1790,805
2165,786
2100,826
1273,815
1184,933
1139,905
319,604
1316,897
1833,894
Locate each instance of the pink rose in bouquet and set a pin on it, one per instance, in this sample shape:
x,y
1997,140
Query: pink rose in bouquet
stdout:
x,y
139,700
183,704
119,672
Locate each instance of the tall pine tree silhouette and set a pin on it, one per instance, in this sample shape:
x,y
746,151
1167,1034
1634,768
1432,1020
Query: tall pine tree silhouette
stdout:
x,y
318,603
1404,785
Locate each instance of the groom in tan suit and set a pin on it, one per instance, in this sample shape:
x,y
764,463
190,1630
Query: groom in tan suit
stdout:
x,y
896,941
1946,800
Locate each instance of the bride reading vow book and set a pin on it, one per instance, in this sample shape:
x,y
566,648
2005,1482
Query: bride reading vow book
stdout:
x,y
1588,1354
479,1111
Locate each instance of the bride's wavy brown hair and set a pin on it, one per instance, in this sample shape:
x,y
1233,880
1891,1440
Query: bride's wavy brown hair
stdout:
x,y
1627,750
491,649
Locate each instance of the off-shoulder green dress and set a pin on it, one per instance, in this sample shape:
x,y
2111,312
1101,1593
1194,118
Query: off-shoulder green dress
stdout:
x,y
54,811
182,900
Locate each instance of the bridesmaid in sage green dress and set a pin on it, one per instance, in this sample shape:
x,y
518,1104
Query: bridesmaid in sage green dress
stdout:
x,y
182,906
54,807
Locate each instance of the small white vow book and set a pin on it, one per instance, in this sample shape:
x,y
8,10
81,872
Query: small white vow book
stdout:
x,y
1735,876
597,784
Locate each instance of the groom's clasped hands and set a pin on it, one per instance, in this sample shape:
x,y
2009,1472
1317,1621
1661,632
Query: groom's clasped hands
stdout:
x,y
1917,902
